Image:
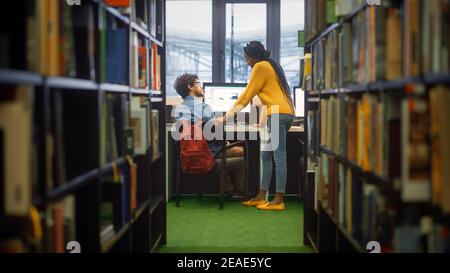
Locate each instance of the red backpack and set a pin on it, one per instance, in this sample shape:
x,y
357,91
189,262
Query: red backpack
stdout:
x,y
195,155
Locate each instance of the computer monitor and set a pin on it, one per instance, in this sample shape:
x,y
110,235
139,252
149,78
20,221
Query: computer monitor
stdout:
x,y
221,97
299,100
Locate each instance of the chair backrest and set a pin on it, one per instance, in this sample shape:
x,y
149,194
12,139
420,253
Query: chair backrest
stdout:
x,y
195,155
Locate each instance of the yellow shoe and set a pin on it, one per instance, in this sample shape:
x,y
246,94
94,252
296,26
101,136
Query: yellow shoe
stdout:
x,y
270,207
253,203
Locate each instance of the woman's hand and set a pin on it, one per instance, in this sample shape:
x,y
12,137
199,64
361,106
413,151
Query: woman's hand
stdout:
x,y
259,125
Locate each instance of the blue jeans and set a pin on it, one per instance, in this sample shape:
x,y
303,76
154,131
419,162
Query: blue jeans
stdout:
x,y
276,150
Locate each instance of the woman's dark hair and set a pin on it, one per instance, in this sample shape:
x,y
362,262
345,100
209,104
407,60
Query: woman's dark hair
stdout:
x,y
183,82
256,50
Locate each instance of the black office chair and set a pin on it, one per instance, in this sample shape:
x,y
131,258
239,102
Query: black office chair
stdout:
x,y
223,164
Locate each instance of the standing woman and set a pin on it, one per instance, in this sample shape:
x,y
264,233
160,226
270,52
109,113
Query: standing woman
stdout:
x,y
269,83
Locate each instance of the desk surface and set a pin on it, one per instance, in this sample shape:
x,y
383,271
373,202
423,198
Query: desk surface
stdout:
x,y
242,128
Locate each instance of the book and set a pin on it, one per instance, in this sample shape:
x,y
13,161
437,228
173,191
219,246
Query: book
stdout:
x,y
348,220
411,38
53,27
60,223
153,12
351,128
140,15
16,124
134,59
116,56
341,195
57,149
440,147
393,49
67,60
12,245
155,134
85,41
118,3
133,185
415,151
156,68
407,239
139,125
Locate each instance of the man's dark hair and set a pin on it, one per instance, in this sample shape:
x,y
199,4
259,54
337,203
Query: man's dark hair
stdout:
x,y
183,82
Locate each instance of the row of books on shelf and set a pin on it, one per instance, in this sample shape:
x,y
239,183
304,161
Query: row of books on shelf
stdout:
x,y
137,10
368,212
145,58
406,140
385,42
59,225
20,167
54,39
60,218
119,198
319,14
122,135
20,140
145,124
49,37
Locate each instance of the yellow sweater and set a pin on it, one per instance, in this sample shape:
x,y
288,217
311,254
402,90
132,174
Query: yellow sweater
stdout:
x,y
264,84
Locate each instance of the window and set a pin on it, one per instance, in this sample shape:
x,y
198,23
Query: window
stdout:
x,y
292,20
189,40
242,28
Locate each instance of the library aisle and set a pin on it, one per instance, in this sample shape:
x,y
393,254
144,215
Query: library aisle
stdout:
x,y
87,89
198,227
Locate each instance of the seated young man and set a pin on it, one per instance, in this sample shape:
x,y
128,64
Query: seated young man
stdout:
x,y
189,88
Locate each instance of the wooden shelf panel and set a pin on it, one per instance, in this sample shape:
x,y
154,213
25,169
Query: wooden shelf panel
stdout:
x,y
70,83
140,30
141,210
155,202
73,185
107,245
156,41
108,167
138,91
8,76
157,242
157,100
116,13
108,87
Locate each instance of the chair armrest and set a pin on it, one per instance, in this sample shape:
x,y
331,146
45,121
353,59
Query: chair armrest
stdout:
x,y
238,143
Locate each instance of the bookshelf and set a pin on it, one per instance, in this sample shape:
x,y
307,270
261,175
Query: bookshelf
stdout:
x,y
374,98
95,115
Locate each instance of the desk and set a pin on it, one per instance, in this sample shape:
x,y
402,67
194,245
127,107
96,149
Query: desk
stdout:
x,y
293,157
241,128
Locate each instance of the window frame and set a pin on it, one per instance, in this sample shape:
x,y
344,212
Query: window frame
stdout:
x,y
219,32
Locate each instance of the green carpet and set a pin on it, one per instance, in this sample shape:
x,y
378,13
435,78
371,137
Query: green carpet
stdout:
x,y
200,227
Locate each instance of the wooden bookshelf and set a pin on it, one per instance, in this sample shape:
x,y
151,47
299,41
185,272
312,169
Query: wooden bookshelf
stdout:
x,y
75,107
323,230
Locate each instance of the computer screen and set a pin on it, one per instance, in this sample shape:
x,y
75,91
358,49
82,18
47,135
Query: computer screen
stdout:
x,y
299,100
221,97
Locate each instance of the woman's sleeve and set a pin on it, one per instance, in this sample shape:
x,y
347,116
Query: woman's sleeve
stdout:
x,y
255,84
